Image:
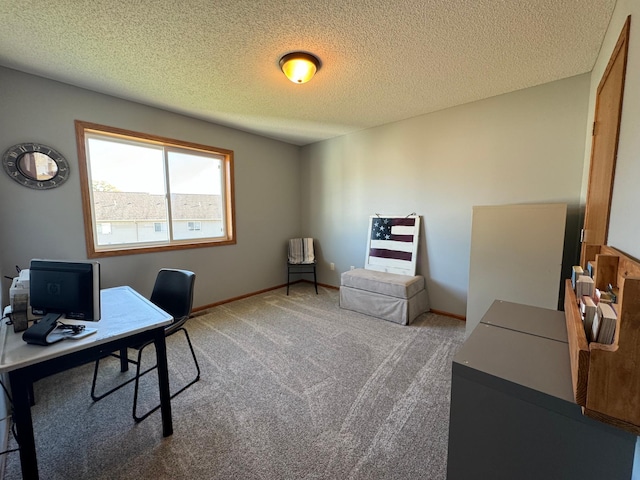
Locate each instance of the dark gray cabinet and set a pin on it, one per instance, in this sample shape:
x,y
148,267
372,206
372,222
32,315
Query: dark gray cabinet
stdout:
x,y
513,415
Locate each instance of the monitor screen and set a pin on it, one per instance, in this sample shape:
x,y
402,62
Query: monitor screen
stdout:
x,y
66,287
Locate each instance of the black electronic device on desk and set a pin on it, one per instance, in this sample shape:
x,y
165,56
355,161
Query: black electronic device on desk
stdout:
x,y
39,332
58,288
49,330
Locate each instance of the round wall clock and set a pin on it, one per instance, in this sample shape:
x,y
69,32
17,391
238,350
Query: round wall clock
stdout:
x,y
35,166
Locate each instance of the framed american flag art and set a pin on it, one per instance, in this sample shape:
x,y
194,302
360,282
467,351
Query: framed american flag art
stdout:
x,y
393,244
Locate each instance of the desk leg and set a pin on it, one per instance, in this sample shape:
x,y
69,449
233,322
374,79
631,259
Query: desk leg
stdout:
x,y
124,359
32,396
20,388
163,382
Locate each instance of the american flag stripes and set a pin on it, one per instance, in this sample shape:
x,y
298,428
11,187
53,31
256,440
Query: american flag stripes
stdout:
x,y
393,244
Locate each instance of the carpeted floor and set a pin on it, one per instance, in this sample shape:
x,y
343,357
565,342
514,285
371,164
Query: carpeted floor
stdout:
x,y
292,388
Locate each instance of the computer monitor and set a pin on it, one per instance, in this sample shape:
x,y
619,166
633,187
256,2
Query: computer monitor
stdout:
x,y
70,288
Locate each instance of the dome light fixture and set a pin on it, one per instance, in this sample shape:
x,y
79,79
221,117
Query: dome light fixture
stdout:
x,y
299,67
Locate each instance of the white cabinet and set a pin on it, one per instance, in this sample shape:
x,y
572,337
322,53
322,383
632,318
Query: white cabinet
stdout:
x,y
516,255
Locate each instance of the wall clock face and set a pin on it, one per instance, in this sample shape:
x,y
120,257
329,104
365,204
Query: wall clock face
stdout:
x,y
35,166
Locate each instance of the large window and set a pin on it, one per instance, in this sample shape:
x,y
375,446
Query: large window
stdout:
x,y
154,193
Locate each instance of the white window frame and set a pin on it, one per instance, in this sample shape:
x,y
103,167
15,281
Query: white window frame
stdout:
x,y
87,129
105,228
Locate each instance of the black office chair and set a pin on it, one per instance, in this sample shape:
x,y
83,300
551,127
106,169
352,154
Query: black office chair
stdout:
x,y
172,292
301,259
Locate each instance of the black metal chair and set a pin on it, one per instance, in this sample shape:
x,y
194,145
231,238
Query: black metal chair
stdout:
x,y
301,259
172,292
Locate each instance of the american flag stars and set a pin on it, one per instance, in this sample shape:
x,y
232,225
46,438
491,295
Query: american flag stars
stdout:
x,y
393,243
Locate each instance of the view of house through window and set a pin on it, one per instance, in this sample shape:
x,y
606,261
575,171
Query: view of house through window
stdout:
x,y
152,193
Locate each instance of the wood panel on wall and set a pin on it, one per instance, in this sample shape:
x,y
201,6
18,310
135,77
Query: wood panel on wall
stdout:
x,y
604,148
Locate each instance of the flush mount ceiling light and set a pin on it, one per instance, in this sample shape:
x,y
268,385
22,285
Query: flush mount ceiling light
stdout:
x,y
299,67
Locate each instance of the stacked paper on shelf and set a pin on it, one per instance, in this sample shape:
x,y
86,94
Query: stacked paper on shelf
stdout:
x,y
584,286
575,274
588,311
604,324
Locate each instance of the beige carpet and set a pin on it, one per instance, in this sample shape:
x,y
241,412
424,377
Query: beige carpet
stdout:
x,y
292,388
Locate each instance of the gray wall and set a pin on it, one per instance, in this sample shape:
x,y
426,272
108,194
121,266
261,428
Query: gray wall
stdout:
x,y
49,224
522,147
624,227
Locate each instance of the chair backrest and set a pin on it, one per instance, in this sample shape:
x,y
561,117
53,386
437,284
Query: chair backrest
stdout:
x,y
301,250
173,292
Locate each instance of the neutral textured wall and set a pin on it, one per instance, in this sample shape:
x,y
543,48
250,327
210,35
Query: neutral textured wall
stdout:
x,y
624,227
522,147
49,224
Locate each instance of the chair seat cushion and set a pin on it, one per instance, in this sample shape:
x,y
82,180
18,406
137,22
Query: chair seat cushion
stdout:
x,y
390,284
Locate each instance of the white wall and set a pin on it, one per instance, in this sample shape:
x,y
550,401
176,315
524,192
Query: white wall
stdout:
x,y
522,147
624,227
49,223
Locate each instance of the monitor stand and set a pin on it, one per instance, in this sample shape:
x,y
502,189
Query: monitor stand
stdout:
x,y
37,333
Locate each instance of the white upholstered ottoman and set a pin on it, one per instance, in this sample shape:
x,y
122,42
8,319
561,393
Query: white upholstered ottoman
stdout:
x,y
389,296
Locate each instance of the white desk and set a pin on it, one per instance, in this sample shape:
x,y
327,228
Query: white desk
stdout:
x,y
127,318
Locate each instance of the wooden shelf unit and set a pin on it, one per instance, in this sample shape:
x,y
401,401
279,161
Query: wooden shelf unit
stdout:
x,y
606,378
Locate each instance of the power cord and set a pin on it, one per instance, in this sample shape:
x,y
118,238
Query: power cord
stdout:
x,y
13,424
74,329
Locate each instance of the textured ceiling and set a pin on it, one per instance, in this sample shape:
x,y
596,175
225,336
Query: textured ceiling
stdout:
x,y
382,61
